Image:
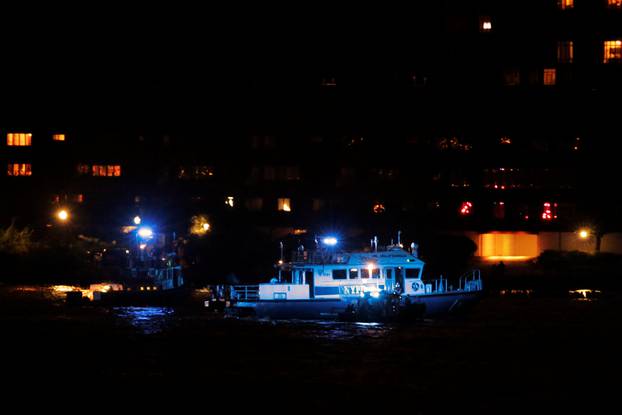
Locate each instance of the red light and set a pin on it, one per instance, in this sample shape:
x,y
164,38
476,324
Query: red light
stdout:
x,y
465,208
548,212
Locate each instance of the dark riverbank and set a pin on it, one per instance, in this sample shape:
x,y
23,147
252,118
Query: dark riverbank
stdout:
x,y
510,352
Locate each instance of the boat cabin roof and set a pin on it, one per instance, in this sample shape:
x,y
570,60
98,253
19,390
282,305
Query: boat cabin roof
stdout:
x,y
389,257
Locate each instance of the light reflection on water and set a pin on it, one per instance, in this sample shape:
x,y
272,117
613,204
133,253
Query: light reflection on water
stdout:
x,y
334,330
149,320
582,294
585,294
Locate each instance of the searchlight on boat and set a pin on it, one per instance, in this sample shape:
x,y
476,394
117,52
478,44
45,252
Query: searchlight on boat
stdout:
x,y
145,232
330,241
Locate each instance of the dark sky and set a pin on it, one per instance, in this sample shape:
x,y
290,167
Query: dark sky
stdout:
x,y
215,65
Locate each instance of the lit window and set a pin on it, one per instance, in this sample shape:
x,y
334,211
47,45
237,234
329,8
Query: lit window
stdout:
x,y
284,204
550,76
565,4
613,51
499,210
83,169
511,77
106,170
565,51
453,143
19,139
485,24
465,208
230,201
58,137
199,225
19,169
195,172
549,211
378,208
615,3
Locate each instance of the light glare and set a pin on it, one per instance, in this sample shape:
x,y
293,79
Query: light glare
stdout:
x,y
330,241
145,232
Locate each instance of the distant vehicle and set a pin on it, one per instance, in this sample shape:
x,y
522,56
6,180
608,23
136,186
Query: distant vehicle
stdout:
x,y
381,284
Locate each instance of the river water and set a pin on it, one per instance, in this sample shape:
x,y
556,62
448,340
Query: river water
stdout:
x,y
514,350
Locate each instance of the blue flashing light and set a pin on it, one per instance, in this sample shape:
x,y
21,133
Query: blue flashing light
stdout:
x,y
145,232
330,241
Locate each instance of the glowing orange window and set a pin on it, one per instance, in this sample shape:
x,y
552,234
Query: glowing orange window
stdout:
x,y
19,139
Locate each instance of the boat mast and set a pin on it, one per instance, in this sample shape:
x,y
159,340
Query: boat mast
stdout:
x,y
280,261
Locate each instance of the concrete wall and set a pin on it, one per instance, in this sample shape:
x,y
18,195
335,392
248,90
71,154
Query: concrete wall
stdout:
x,y
611,242
566,241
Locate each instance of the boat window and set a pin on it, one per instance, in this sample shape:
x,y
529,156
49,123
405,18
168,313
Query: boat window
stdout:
x,y
364,273
287,276
354,273
339,274
375,273
389,273
412,272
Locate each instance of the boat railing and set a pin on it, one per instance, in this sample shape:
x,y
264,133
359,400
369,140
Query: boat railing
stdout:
x,y
245,292
165,273
319,257
470,281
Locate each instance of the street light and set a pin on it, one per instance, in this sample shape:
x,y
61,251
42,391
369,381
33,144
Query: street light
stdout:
x,y
584,233
62,215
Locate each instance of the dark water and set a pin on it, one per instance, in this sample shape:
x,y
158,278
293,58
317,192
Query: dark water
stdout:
x,y
514,352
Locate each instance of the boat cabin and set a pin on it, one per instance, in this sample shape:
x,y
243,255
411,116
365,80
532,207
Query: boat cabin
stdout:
x,y
327,274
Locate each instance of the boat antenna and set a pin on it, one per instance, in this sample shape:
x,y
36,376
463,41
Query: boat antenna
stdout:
x,y
375,244
281,262
399,238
